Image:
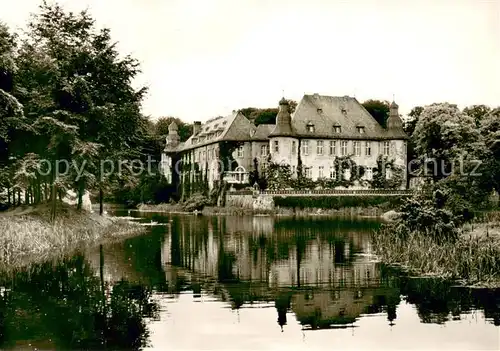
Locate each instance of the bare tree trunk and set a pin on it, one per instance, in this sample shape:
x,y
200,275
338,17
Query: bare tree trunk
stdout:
x,y
54,202
80,196
101,203
8,196
53,196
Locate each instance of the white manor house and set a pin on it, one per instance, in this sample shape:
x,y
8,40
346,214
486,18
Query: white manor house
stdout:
x,y
321,129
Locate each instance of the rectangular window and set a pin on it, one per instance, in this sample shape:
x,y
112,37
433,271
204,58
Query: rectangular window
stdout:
x,y
305,147
386,148
264,150
309,172
357,148
204,155
332,172
319,147
240,151
368,149
321,170
333,148
343,148
294,147
276,146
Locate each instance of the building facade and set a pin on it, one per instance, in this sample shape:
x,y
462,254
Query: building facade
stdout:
x,y
321,130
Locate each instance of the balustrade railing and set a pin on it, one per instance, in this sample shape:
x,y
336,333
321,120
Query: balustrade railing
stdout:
x,y
333,192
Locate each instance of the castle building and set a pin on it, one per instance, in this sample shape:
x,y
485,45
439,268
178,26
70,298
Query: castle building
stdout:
x,y
321,129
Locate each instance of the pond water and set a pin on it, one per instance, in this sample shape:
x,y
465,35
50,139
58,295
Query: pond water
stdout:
x,y
241,283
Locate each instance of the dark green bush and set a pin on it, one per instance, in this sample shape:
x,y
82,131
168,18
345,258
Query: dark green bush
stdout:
x,y
337,202
195,202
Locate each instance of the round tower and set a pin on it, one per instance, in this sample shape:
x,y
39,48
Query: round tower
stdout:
x,y
283,142
173,138
397,138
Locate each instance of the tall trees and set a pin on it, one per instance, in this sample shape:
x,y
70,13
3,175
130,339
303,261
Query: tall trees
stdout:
x,y
75,91
490,130
265,115
477,112
161,127
378,109
444,134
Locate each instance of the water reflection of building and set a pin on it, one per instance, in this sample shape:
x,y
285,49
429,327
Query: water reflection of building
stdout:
x,y
335,284
248,260
261,250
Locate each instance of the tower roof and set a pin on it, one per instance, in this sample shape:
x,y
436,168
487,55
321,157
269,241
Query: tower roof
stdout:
x,y
283,121
173,126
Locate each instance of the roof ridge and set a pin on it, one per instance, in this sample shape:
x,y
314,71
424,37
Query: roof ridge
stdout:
x,y
230,122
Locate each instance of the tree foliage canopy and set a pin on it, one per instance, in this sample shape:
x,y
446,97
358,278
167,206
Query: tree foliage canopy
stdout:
x,y
66,94
378,109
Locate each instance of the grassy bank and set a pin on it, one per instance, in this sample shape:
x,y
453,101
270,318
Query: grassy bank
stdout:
x,y
28,237
473,259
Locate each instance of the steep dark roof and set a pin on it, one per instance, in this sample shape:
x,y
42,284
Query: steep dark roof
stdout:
x,y
325,112
262,132
235,127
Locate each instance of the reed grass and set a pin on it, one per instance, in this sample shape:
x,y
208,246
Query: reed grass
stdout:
x,y
31,238
473,259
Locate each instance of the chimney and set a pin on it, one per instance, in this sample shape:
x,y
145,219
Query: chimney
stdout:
x,y
196,127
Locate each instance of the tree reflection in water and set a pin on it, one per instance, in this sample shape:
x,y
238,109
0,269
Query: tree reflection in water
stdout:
x,y
308,268
68,306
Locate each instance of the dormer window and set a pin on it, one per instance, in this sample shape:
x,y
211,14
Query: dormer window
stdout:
x,y
361,129
337,129
310,127
194,140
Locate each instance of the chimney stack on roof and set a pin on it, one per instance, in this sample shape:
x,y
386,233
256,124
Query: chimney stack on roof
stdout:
x,y
196,127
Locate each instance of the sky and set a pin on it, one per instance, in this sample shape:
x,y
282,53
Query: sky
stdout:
x,y
205,58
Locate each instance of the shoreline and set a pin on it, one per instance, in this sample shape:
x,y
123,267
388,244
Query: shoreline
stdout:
x,y
360,212
28,237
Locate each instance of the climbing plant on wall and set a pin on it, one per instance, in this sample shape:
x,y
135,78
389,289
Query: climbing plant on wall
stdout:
x,y
279,176
226,163
385,167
